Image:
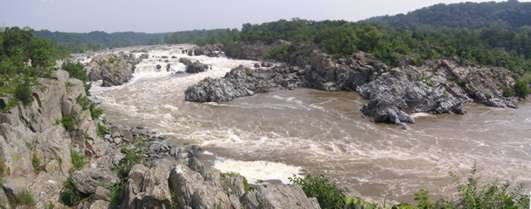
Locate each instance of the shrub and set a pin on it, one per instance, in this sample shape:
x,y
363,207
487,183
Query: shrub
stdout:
x,y
95,112
133,155
508,92
69,122
84,102
24,198
36,162
76,70
522,88
24,93
78,159
69,195
324,190
101,130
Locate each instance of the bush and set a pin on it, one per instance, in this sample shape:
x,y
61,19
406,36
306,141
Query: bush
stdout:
x,y
25,198
69,195
508,92
24,93
95,112
133,155
78,159
522,88
102,130
324,190
69,122
76,70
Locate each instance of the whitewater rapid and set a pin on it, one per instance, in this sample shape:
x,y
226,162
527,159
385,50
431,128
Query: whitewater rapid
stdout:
x,y
276,135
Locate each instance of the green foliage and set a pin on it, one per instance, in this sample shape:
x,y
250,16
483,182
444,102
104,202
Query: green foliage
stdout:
x,y
101,129
116,194
471,195
95,112
76,70
134,154
10,105
24,93
36,162
25,198
70,122
511,14
508,92
84,102
23,59
323,189
522,88
69,195
78,159
279,52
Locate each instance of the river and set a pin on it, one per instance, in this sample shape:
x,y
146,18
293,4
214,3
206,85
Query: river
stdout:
x,y
308,132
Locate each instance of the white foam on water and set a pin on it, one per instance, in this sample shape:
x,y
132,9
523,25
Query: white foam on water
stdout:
x,y
421,115
256,171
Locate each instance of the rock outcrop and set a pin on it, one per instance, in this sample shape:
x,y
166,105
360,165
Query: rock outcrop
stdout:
x,y
211,50
194,67
437,87
243,81
347,73
112,69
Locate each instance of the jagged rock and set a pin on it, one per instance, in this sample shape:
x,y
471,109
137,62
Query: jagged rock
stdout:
x,y
211,50
278,196
112,69
148,188
201,190
437,87
242,82
327,73
88,180
194,67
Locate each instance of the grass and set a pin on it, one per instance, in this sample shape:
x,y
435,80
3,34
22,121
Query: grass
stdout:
x,y
69,195
36,162
70,122
23,93
522,88
101,130
246,186
78,159
25,198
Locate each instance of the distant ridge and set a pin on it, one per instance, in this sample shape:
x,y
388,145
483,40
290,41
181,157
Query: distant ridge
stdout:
x,y
512,14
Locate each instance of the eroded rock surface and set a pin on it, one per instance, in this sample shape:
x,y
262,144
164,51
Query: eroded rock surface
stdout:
x,y
112,69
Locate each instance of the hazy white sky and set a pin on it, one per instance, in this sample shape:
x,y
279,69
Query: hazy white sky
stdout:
x,y
176,15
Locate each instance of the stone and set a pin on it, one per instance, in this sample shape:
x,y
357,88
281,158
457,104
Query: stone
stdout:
x,y
89,179
112,69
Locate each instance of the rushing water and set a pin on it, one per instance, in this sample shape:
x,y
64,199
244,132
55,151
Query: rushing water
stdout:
x,y
279,134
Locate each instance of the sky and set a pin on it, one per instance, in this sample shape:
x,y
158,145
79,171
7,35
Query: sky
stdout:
x,y
177,15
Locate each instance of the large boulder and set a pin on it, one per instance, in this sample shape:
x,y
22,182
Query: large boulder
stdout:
x,y
148,187
112,69
278,196
194,67
243,81
436,87
211,50
331,74
88,180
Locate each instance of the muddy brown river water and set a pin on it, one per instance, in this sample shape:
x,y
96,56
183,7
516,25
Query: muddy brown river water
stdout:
x,y
282,133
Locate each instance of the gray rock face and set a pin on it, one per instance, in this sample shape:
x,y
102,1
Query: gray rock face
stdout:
x,y
278,196
347,73
243,81
88,180
438,87
194,67
211,50
112,69
148,187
